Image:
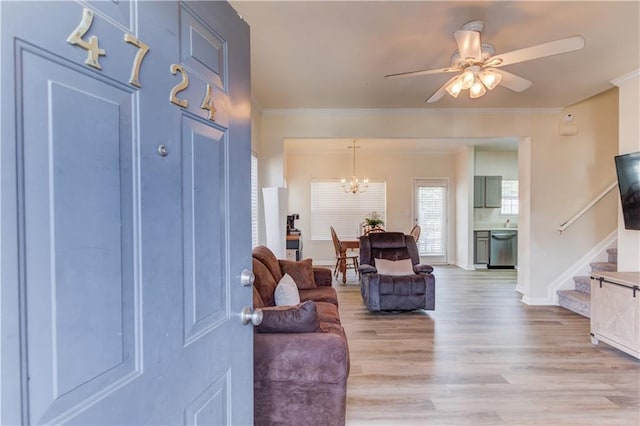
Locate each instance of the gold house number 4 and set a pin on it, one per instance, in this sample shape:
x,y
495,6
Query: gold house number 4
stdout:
x,y
93,51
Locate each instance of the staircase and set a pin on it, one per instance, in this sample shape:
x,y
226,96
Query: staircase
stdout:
x,y
579,299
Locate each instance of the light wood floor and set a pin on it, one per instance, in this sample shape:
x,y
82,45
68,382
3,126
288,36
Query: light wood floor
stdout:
x,y
482,358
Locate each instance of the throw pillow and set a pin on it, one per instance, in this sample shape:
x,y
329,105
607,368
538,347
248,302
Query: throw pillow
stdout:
x,y
302,318
394,267
286,293
301,272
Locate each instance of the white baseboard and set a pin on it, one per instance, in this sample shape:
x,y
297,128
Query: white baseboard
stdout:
x,y
465,267
536,301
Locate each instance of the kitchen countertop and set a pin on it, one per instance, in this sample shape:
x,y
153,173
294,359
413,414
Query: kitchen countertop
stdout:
x,y
494,228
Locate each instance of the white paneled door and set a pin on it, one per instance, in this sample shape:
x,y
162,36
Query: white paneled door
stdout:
x,y
125,211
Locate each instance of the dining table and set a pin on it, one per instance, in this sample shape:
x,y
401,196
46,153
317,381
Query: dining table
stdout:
x,y
344,246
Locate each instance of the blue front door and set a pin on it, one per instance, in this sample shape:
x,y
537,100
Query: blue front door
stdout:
x,y
125,213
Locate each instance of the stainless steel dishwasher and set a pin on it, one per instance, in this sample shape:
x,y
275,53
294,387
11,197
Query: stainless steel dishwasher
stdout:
x,y
503,249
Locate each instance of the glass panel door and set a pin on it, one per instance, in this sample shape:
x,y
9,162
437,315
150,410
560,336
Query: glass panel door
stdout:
x,y
430,201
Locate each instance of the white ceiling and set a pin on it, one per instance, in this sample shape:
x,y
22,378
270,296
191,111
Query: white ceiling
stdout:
x,y
331,54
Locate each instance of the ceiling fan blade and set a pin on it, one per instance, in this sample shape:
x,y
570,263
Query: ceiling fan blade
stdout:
x,y
440,92
551,48
469,44
421,72
512,81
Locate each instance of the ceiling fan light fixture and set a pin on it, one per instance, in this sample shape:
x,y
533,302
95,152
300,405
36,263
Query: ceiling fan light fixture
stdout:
x,y
466,79
455,87
490,78
477,89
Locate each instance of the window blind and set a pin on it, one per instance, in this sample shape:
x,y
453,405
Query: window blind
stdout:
x,y
331,206
509,203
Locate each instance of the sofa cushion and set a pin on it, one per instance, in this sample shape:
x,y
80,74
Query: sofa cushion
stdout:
x,y
264,282
322,276
320,294
302,318
257,299
394,267
268,259
301,271
286,293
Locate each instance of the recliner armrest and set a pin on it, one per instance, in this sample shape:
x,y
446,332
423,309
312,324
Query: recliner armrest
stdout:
x,y
367,269
423,268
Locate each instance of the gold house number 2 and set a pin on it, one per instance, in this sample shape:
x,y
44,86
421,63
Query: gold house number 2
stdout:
x,y
93,60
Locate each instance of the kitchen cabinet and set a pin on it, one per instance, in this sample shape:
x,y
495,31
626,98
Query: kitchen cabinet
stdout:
x,y
487,191
481,247
615,310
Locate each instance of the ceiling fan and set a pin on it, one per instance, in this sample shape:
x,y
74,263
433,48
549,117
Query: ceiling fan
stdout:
x,y
477,63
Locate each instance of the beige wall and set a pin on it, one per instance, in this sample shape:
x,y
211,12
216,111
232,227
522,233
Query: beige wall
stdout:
x,y
629,240
563,172
567,172
397,169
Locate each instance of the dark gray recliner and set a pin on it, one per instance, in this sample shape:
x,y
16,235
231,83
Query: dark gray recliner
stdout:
x,y
392,292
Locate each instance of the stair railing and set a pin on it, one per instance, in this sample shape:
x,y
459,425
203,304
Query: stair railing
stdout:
x,y
564,226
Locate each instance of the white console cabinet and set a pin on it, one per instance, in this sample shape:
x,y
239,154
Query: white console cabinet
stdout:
x,y
615,310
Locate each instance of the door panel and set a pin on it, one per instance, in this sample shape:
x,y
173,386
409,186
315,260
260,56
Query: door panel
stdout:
x,y
78,234
204,215
202,50
124,228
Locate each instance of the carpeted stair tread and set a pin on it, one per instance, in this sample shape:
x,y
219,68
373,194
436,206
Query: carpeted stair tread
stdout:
x,y
579,299
603,266
582,283
575,301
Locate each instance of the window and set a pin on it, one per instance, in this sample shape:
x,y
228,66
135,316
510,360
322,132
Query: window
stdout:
x,y
254,200
509,197
430,200
331,206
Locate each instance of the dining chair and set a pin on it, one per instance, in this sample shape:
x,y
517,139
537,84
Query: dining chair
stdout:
x,y
415,232
369,229
342,259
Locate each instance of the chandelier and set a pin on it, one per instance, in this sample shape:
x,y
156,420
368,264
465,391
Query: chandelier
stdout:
x,y
475,79
355,185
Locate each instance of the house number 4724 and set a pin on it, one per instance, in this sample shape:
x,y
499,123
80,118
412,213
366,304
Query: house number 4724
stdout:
x,y
93,60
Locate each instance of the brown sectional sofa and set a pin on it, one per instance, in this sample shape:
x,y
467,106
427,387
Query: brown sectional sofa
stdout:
x,y
301,357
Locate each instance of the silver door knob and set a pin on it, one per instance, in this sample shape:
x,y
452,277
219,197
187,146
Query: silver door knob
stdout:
x,y
254,316
247,278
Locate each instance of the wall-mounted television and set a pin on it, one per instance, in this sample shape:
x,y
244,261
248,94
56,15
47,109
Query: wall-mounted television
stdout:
x,y
628,169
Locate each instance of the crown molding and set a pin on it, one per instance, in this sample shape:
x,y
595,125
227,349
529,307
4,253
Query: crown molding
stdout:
x,y
625,78
400,111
